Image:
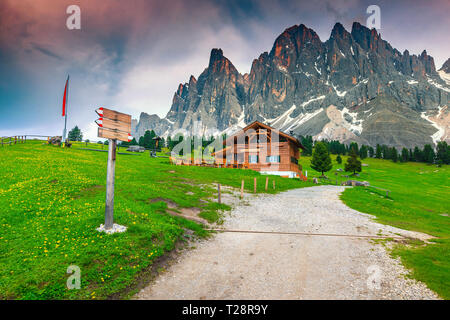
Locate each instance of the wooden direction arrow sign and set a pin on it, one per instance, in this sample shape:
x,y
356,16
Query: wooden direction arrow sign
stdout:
x,y
113,115
114,125
114,134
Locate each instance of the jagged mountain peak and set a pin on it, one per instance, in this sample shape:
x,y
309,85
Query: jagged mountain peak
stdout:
x,y
218,63
353,86
339,31
215,56
446,66
192,80
294,38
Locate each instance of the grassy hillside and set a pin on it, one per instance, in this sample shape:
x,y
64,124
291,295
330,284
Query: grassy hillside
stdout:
x,y
419,200
52,200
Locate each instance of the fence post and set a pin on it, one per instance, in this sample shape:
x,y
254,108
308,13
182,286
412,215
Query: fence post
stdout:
x,y
254,185
267,182
15,139
273,184
242,189
218,194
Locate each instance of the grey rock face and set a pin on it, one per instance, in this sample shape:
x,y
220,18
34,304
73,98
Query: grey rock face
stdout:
x,y
383,95
150,122
446,66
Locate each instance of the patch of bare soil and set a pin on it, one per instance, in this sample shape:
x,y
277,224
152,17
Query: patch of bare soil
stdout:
x,y
170,203
187,213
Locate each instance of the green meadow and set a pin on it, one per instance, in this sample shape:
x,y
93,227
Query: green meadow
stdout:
x,y
419,200
52,200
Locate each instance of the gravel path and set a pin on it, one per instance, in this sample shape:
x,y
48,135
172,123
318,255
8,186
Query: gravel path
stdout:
x,y
282,266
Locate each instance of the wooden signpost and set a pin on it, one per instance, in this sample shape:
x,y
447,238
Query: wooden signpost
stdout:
x,y
113,126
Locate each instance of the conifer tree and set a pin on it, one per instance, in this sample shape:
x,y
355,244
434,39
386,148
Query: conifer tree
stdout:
x,y
353,164
321,160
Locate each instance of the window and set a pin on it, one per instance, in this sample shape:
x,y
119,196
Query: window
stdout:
x,y
273,159
294,160
253,159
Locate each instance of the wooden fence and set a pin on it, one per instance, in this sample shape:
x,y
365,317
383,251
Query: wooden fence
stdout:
x,y
12,140
19,139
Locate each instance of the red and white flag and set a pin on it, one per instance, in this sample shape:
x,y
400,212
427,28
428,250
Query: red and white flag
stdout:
x,y
65,98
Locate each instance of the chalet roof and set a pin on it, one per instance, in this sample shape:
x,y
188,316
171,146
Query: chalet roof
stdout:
x,y
257,124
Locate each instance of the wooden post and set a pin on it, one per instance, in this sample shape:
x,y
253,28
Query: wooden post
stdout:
x,y
109,207
219,200
254,185
242,189
273,184
267,182
15,139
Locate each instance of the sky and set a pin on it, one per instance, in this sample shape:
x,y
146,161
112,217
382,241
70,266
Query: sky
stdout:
x,y
130,55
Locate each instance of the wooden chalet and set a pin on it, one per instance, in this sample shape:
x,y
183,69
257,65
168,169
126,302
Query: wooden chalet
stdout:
x,y
261,148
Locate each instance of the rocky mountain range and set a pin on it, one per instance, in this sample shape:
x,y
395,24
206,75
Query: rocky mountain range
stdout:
x,y
353,87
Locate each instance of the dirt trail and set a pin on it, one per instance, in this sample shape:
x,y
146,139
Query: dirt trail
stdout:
x,y
288,266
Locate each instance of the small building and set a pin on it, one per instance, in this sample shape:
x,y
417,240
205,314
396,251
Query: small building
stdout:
x,y
261,148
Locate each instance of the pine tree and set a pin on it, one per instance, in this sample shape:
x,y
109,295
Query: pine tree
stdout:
x,y
378,152
394,154
307,142
386,152
75,134
353,164
354,145
443,152
321,160
371,152
339,159
405,155
418,157
363,152
428,154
